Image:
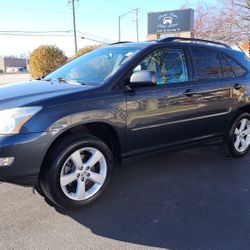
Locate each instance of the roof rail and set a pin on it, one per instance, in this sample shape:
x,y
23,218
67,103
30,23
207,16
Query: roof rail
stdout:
x,y
171,39
120,42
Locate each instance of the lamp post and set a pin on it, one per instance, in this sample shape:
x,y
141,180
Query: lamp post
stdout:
x,y
136,11
74,21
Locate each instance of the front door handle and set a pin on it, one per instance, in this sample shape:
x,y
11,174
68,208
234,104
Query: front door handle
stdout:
x,y
238,86
189,92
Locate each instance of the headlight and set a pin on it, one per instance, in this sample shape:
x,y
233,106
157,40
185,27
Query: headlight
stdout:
x,y
12,120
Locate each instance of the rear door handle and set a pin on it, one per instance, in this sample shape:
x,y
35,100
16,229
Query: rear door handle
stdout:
x,y
189,92
238,86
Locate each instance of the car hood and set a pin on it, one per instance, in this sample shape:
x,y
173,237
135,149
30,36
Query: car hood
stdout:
x,y
19,94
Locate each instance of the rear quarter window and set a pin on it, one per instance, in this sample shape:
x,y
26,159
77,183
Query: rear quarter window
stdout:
x,y
235,66
226,67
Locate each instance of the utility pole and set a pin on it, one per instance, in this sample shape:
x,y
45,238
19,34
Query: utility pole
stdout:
x,y
74,21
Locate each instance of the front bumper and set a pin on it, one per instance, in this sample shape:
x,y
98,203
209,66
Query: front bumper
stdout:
x,y
29,151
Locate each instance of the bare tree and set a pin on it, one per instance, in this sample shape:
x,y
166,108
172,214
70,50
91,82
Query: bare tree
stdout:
x,y
208,22
239,17
227,21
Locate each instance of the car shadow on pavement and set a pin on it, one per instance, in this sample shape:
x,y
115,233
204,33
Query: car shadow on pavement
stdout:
x,y
196,198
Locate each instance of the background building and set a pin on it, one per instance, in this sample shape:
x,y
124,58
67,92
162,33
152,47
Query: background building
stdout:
x,y
9,64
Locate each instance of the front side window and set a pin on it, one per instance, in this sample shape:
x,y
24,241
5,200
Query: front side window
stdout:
x,y
169,64
207,64
95,67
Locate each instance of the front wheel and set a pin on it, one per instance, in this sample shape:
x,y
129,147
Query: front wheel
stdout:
x,y
238,137
79,173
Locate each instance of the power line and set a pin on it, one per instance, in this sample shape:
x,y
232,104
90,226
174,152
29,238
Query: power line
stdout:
x,y
31,9
41,35
94,40
118,4
51,33
96,36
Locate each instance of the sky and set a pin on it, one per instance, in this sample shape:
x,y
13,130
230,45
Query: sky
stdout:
x,y
96,19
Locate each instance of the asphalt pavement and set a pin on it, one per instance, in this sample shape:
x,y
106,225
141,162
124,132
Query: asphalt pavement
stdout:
x,y
193,199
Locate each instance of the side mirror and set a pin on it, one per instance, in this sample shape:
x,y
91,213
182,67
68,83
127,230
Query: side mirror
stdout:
x,y
143,78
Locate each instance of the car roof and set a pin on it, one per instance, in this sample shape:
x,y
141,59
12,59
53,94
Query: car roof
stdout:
x,y
239,55
180,42
130,44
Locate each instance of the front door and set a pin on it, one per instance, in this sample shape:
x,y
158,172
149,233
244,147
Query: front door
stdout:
x,y
162,115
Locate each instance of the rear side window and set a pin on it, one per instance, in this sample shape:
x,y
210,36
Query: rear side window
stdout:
x,y
230,67
207,64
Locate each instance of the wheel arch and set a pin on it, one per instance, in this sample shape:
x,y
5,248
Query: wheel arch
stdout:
x,y
245,108
101,130
235,113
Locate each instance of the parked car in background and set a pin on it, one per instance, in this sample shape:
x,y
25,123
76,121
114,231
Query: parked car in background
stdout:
x,y
65,133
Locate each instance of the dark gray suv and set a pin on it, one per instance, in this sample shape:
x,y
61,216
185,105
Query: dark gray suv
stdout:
x,y
64,134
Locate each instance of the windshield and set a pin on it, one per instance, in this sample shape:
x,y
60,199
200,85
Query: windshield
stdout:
x,y
94,67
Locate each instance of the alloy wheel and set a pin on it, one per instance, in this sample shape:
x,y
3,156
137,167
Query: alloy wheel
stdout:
x,y
83,174
242,135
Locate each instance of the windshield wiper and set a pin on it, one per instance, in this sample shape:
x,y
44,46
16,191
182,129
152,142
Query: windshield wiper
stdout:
x,y
63,80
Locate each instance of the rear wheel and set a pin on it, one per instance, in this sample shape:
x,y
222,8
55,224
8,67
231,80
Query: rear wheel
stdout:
x,y
238,136
79,173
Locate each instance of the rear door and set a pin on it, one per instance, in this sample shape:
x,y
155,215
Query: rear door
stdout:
x,y
162,115
233,73
216,84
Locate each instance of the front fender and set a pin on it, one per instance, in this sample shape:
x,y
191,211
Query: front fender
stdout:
x,y
57,119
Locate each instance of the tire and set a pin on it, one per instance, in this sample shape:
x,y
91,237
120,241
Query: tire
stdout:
x,y
39,190
78,173
237,138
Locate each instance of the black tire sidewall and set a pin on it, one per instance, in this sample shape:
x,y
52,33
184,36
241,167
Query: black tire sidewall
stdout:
x,y
55,192
230,137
